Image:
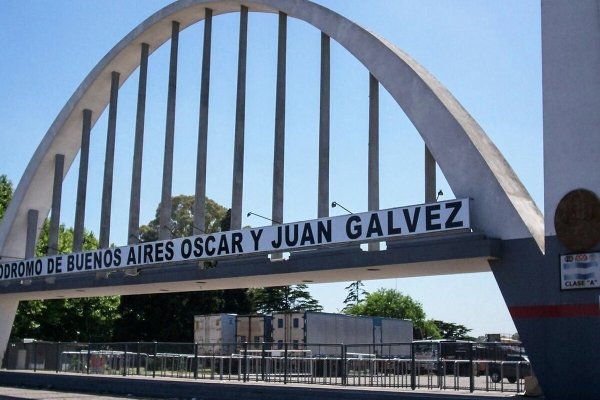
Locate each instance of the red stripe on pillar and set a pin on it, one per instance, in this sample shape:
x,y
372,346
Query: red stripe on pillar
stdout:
x,y
555,311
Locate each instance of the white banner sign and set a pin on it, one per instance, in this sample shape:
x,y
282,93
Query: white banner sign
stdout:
x,y
580,271
367,226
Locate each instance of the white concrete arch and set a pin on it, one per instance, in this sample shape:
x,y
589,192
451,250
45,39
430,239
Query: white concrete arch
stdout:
x,y
472,164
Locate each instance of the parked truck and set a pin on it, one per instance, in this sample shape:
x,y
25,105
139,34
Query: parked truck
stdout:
x,y
254,328
363,335
215,334
317,334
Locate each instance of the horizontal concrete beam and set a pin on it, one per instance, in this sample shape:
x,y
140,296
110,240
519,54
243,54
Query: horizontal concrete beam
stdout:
x,y
435,255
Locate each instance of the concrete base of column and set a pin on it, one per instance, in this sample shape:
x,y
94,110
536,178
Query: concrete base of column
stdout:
x,y
8,310
559,328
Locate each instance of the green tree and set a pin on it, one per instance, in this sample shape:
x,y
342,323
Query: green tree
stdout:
x,y
391,303
81,319
65,240
66,319
284,298
182,219
6,193
449,330
170,316
356,294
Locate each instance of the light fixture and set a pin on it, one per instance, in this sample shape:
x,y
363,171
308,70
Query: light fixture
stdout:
x,y
132,271
263,217
11,257
198,229
103,275
171,227
336,204
136,238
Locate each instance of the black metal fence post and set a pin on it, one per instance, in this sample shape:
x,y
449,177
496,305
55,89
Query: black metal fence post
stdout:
x,y
471,370
263,361
413,368
285,363
57,356
245,362
344,365
87,364
34,356
440,366
154,363
212,361
138,360
195,362
125,361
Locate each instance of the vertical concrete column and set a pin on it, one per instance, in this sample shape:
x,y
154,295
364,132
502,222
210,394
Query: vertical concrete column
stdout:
x,y
279,152
8,310
430,178
138,150
324,127
240,119
109,162
32,221
59,166
200,199
559,324
373,185
84,158
164,230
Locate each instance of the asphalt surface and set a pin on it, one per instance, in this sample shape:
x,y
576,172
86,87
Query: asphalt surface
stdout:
x,y
9,393
50,386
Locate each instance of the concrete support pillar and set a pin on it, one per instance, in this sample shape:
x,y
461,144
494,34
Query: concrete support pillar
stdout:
x,y
32,223
164,230
200,199
240,119
138,149
59,166
324,125
430,178
555,306
373,185
8,310
84,157
109,162
279,152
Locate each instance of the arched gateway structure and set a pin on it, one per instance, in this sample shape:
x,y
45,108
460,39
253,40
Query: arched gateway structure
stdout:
x,y
496,224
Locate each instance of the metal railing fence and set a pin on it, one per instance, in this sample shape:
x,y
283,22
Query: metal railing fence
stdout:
x,y
463,366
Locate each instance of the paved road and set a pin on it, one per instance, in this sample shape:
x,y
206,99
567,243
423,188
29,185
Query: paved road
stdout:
x,y
8,393
13,383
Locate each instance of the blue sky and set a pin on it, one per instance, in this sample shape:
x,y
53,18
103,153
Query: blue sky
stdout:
x,y
487,53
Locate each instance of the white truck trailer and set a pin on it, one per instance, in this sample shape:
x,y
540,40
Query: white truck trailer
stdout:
x,y
215,334
312,328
